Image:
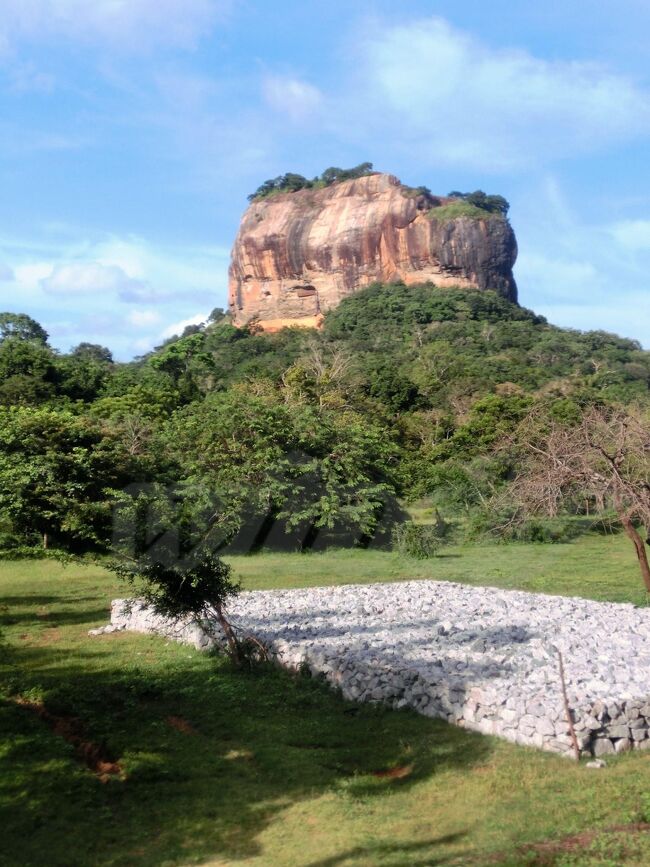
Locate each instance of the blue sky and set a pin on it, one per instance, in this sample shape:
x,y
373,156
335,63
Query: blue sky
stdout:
x,y
131,132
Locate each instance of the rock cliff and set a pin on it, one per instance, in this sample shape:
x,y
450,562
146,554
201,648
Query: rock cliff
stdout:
x,y
299,254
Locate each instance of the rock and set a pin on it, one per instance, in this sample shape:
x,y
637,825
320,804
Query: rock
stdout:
x,y
299,254
596,763
602,747
545,727
617,731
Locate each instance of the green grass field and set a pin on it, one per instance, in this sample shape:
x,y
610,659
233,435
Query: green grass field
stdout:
x,y
597,567
221,767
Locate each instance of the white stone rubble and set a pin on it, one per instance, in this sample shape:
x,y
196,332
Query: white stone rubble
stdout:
x,y
478,657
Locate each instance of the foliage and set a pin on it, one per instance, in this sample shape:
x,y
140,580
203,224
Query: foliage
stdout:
x,y
419,541
22,327
55,472
603,459
291,182
455,210
92,351
490,522
301,438
194,590
492,203
253,454
28,371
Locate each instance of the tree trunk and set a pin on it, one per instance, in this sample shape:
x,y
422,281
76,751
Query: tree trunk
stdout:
x,y
45,541
639,547
228,631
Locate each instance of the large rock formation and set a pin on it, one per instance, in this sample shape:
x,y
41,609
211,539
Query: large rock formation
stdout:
x,y
299,254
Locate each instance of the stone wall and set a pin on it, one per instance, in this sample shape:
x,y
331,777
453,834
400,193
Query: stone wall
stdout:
x,y
477,657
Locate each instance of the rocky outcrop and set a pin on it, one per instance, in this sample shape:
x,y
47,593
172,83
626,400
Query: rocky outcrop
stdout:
x,y
299,254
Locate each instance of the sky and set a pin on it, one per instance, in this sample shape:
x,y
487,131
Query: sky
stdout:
x,y
131,132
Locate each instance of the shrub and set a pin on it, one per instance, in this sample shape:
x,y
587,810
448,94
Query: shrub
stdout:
x,y
419,541
194,590
493,524
462,208
291,182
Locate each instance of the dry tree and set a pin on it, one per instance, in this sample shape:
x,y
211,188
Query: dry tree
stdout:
x,y
603,458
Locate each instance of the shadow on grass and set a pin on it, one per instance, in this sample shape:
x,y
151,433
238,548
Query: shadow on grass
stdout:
x,y
416,854
256,744
19,610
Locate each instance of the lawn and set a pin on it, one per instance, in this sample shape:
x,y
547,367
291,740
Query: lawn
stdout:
x,y
597,567
221,767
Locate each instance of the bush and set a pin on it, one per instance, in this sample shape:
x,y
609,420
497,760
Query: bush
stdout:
x,y
36,552
291,182
462,208
419,541
195,590
545,530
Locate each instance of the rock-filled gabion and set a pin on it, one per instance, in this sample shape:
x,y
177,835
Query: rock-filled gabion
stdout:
x,y
478,657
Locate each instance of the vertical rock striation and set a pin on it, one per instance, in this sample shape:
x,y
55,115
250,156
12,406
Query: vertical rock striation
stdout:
x,y
299,254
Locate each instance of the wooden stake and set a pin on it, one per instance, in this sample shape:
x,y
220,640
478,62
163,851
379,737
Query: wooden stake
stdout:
x,y
567,710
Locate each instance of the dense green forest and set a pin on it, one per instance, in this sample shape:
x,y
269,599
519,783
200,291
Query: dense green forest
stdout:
x,y
299,438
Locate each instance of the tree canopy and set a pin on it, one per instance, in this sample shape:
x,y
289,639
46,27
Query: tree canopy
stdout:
x,y
291,182
301,437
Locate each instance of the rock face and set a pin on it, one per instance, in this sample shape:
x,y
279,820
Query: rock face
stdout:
x,y
299,254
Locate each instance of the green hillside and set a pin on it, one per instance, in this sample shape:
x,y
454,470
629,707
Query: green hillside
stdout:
x,y
401,396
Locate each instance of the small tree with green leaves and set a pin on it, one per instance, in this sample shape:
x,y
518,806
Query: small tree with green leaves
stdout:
x,y
193,590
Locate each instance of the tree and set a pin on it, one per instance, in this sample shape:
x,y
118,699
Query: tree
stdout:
x,y
490,203
92,352
604,457
28,371
195,590
21,326
56,470
256,452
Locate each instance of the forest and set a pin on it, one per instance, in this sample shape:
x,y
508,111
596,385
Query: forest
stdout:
x,y
304,439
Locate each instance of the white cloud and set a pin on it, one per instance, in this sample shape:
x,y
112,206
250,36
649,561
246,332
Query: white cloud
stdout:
x,y
143,318
627,318
89,278
118,24
26,78
579,274
632,235
6,273
179,327
290,96
18,141
556,277
111,289
448,97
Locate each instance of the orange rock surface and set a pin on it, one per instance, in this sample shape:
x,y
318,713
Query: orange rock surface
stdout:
x,y
299,254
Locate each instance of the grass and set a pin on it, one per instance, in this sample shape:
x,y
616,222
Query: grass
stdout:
x,y
593,566
462,209
224,768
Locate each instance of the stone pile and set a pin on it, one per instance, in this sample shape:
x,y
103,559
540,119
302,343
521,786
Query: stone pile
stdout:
x,y
478,657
